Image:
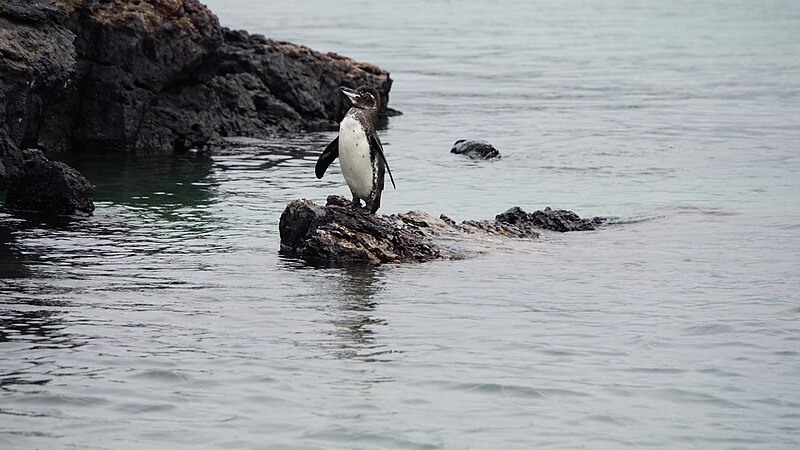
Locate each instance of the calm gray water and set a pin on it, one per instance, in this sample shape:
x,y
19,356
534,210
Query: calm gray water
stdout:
x,y
167,320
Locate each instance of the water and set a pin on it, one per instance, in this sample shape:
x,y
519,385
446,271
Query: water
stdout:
x,y
167,320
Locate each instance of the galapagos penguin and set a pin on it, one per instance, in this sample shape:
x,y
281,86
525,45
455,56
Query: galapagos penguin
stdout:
x,y
359,149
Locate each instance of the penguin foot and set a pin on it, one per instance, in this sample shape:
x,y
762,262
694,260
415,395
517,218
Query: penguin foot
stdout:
x,y
371,207
362,209
366,209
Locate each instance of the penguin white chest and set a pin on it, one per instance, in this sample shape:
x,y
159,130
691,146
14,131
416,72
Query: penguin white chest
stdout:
x,y
354,157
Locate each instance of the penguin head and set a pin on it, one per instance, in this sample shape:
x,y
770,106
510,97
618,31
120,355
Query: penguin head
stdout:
x,y
363,97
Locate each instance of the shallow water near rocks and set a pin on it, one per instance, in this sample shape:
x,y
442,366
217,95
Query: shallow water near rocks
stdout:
x,y
168,320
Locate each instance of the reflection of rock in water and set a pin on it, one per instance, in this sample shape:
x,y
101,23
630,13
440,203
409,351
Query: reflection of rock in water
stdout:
x,y
181,180
355,322
30,331
41,327
11,260
27,317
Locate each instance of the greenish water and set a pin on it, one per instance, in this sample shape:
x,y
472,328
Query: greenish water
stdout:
x,y
168,320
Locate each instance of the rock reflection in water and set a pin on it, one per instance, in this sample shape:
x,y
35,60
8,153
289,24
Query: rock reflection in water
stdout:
x,y
11,260
42,327
354,318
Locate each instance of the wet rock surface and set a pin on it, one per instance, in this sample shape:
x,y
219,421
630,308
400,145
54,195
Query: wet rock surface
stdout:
x,y
338,234
159,76
37,67
11,160
475,149
560,220
49,186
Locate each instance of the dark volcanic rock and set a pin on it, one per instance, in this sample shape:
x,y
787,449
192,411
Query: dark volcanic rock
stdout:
x,y
475,149
158,76
256,87
49,186
556,220
338,234
11,160
37,65
128,55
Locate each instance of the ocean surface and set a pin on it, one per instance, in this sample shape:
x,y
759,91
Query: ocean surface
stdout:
x,y
168,319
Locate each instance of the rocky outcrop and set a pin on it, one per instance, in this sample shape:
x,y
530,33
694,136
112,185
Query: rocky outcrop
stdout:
x,y
158,76
256,87
128,54
338,234
37,64
11,160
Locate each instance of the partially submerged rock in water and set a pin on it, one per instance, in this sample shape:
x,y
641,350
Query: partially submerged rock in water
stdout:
x,y
35,183
336,233
560,220
475,149
50,187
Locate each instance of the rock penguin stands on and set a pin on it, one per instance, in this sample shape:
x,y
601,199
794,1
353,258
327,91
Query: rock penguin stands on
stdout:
x,y
359,149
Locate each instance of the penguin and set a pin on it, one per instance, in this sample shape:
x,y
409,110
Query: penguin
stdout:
x,y
359,149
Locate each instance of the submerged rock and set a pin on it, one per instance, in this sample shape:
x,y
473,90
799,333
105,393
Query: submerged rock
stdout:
x,y
475,149
37,67
338,234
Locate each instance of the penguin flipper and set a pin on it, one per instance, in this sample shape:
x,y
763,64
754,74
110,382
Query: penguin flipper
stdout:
x,y
327,157
375,141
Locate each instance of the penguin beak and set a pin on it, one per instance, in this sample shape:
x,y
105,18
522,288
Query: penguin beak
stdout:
x,y
350,93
